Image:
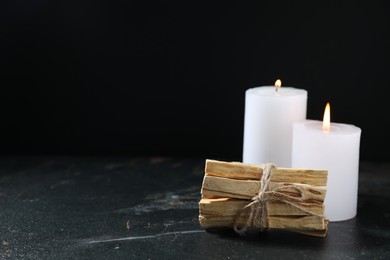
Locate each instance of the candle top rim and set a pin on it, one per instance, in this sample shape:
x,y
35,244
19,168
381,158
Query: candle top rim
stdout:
x,y
335,128
270,91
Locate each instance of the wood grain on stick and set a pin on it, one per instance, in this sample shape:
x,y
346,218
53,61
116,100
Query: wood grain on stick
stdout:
x,y
246,189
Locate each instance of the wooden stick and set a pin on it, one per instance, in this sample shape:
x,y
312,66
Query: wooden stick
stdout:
x,y
230,188
285,222
315,233
222,212
281,209
296,222
230,207
310,193
246,189
221,206
233,170
237,170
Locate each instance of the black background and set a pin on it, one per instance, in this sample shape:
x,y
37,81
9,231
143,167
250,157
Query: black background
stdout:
x,y
168,78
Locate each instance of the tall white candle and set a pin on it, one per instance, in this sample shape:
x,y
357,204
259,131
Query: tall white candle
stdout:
x,y
334,147
269,114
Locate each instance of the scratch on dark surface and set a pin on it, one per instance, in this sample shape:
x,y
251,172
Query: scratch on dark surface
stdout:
x,y
134,161
157,160
176,165
63,182
113,166
183,199
120,165
175,233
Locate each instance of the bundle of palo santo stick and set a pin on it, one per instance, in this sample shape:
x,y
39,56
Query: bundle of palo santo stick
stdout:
x,y
230,186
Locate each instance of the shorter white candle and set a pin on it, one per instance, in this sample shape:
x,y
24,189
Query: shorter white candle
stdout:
x,y
335,147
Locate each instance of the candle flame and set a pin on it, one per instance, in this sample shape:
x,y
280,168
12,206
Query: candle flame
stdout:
x,y
278,84
326,121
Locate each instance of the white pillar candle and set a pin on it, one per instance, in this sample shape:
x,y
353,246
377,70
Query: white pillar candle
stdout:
x,y
269,114
334,147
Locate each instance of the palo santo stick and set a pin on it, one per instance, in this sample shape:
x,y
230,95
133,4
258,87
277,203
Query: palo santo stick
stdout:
x,y
246,189
304,176
237,170
285,222
297,222
223,187
315,233
230,207
309,192
222,212
221,207
283,209
233,170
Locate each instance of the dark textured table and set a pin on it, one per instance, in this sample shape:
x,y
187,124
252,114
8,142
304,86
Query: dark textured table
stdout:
x,y
130,208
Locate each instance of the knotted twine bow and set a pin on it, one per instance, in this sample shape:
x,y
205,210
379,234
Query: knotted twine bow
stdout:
x,y
258,215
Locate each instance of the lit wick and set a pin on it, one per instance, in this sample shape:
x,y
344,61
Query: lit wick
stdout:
x,y
278,84
326,120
